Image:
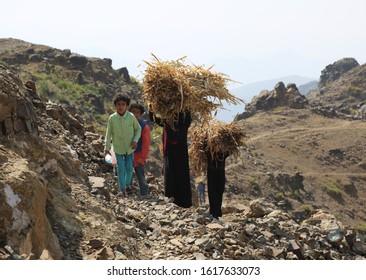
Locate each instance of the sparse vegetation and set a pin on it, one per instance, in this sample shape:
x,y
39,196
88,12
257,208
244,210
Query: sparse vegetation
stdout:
x,y
134,80
294,150
53,86
306,207
296,193
355,91
353,112
254,153
361,227
279,195
278,109
253,183
332,187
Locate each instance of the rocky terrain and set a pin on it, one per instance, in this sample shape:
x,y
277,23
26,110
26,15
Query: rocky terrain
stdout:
x,y
296,192
342,87
304,161
83,85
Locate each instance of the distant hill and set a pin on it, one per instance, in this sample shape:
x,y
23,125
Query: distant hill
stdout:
x,y
248,91
306,88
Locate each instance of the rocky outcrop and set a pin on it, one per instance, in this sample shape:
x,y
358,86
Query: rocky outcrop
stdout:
x,y
23,200
23,192
65,118
36,173
341,90
16,109
333,71
124,72
288,96
87,83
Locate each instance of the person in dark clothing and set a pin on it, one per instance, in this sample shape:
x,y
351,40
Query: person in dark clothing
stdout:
x,y
216,181
176,164
201,192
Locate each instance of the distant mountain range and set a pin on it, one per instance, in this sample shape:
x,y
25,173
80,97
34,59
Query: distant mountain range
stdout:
x,y
247,92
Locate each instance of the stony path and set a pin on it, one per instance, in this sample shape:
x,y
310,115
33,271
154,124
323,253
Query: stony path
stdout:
x,y
158,229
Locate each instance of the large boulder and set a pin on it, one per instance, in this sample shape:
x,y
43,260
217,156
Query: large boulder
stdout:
x,y
281,95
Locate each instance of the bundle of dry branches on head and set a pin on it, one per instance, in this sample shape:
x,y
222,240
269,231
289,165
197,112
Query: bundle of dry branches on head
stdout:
x,y
215,138
172,87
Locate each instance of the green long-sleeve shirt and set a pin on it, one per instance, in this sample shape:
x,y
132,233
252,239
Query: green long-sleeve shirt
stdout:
x,y
122,130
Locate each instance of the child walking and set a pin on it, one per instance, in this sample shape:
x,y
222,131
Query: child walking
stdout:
x,y
201,192
124,131
142,149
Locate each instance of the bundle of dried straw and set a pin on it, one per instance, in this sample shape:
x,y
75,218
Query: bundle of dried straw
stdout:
x,y
173,86
214,138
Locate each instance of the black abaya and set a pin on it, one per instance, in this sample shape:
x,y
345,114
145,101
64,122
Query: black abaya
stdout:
x,y
216,182
176,164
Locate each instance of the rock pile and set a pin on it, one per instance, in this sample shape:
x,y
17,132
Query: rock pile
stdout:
x,y
288,96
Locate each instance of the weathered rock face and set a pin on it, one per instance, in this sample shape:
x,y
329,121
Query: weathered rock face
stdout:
x,y
90,83
288,96
341,90
23,193
124,72
31,170
23,199
16,108
67,120
333,71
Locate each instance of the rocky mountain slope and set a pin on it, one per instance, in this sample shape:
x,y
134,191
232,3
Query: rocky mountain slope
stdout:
x,y
307,152
304,161
84,85
342,86
296,191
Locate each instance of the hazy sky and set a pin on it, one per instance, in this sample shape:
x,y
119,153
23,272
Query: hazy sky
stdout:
x,y
247,40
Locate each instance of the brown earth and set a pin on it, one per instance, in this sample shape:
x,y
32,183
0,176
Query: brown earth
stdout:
x,y
329,153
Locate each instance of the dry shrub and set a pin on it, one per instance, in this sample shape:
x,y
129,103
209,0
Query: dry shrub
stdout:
x,y
215,137
173,86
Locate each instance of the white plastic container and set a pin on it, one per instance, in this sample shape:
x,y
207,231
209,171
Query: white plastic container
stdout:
x,y
108,158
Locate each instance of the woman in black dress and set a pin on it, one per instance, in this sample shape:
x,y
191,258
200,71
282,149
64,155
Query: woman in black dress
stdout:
x,y
216,181
176,164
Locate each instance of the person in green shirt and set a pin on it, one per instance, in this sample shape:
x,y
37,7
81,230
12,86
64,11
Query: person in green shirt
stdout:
x,y
124,131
